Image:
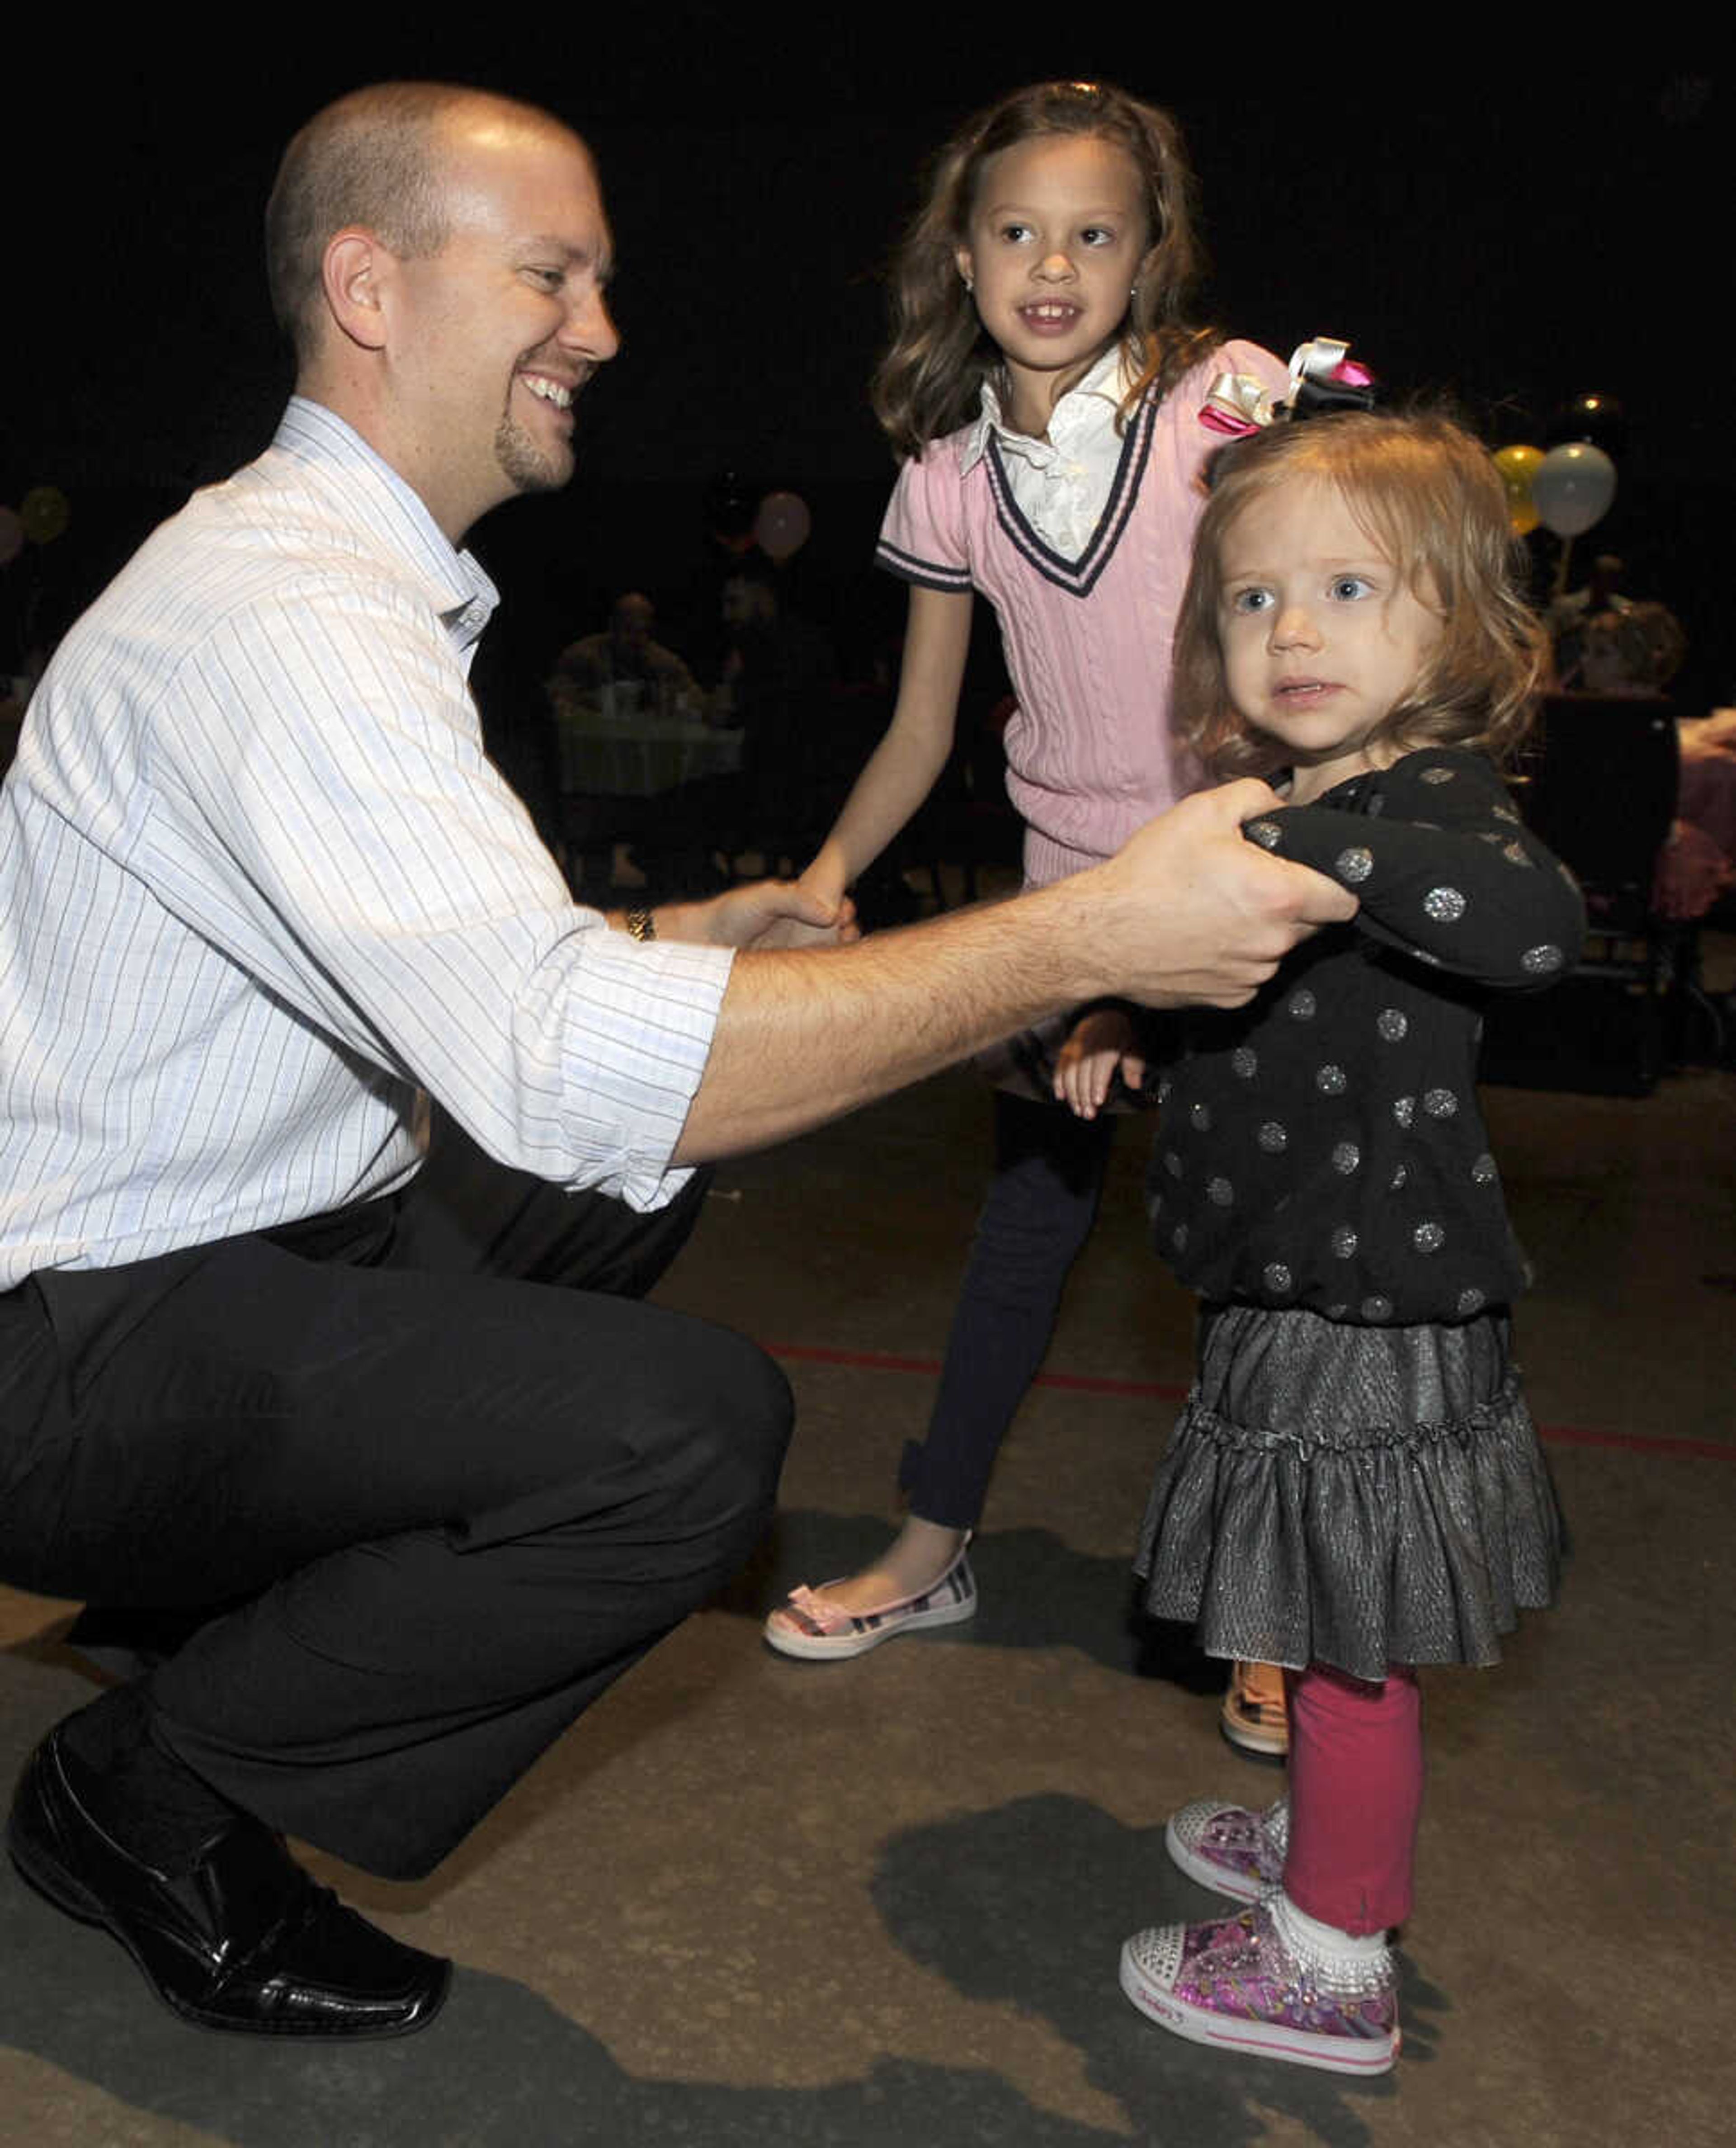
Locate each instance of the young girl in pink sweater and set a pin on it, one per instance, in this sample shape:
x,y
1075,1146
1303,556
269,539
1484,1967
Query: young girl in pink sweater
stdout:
x,y
1044,387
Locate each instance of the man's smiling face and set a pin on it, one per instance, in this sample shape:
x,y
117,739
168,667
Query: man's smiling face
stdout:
x,y
494,336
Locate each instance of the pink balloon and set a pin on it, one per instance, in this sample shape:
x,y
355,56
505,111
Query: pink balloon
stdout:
x,y
781,526
12,535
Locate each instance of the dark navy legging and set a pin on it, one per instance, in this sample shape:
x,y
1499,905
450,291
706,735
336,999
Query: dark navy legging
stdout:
x,y
1049,1170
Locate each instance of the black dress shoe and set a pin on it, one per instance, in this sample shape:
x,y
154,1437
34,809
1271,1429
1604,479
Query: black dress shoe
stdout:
x,y
244,1940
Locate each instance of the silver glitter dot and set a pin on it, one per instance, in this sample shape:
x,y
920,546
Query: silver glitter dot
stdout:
x,y
1267,834
1391,1024
1439,1103
1272,1137
1171,1163
1376,1308
1423,954
1399,1177
1377,805
1516,854
1178,1236
1491,836
1220,1192
1404,1109
1503,813
1346,1156
1483,1170
1437,775
1541,961
1199,1118
1244,1063
1164,1087
1344,1241
1428,1237
1354,864
1276,1278
1329,1080
1470,1300
1301,1005
1445,905
1527,1273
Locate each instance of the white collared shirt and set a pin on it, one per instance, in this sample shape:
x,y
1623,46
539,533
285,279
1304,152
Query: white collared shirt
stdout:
x,y
1061,483
260,889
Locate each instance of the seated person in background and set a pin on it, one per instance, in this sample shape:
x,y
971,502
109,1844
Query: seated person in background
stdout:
x,y
625,656
1607,644
1696,866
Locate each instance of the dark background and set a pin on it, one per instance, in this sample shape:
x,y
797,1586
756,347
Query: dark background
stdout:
x,y
1512,225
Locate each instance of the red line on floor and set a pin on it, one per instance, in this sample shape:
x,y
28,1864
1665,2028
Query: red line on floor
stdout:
x,y
1565,1435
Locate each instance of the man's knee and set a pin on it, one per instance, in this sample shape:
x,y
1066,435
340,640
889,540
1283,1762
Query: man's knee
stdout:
x,y
736,1417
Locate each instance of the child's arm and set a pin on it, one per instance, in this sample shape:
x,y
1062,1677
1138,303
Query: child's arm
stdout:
x,y
1446,871
904,766
1101,1042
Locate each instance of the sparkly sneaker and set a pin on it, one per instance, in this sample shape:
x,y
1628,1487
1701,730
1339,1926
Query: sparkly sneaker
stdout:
x,y
1239,1983
1255,1718
1235,1852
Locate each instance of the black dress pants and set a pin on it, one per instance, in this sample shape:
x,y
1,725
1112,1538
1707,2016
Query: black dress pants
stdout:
x,y
443,1507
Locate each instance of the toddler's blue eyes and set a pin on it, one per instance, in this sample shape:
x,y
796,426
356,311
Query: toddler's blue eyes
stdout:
x,y
1251,600
1348,587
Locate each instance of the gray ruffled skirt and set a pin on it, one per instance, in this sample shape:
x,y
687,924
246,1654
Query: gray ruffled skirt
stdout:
x,y
1351,1496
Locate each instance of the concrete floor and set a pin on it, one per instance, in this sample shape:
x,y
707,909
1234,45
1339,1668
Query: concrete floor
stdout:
x,y
748,1901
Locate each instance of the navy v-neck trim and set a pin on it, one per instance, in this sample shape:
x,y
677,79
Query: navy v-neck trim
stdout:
x,y
1079,577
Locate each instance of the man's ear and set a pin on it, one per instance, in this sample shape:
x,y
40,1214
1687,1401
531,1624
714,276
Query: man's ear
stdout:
x,y
354,274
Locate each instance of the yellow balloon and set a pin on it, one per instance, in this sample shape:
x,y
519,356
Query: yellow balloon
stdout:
x,y
44,513
1518,465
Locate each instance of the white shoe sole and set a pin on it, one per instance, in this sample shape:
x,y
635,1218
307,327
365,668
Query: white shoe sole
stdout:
x,y
1266,2040
840,1647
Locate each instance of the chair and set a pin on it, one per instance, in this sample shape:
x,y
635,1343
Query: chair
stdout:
x,y
1599,785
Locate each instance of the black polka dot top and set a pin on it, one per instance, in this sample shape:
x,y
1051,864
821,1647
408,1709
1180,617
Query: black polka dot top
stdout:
x,y
1323,1146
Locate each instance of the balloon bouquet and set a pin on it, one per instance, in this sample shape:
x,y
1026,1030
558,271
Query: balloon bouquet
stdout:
x,y
1568,490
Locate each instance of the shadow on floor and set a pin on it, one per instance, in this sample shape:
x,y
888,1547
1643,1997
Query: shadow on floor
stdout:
x,y
1028,1904
1025,1906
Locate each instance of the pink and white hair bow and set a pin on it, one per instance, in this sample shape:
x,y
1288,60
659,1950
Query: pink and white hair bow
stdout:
x,y
1323,376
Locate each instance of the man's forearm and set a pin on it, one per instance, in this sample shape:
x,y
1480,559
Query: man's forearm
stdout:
x,y
804,1038
1189,911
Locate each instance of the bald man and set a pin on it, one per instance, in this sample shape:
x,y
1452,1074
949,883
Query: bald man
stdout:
x,y
399,1454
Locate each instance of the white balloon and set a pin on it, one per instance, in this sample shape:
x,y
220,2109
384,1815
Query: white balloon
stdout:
x,y
782,525
1573,488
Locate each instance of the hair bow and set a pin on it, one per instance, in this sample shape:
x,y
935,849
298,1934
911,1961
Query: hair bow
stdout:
x,y
1323,376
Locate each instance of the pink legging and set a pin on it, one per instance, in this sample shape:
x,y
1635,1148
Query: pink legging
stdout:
x,y
1356,1786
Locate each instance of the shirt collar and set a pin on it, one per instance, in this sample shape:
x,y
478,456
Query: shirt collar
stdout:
x,y
390,509
1082,407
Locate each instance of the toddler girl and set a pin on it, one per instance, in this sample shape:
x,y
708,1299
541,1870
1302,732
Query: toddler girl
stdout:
x,y
1354,1487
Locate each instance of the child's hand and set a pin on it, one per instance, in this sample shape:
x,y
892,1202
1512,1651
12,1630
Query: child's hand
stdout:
x,y
1098,1044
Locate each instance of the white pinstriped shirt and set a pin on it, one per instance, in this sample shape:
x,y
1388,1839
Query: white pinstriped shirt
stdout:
x,y
260,889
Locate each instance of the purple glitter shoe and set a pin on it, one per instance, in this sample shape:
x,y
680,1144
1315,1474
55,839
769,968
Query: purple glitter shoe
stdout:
x,y
1228,1848
1240,1985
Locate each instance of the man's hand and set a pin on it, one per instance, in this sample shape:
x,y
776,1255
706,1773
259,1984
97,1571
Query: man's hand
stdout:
x,y
762,913
1195,914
